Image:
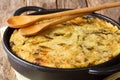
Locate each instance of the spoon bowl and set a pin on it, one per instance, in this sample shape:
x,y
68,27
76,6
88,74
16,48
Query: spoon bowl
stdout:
x,y
22,21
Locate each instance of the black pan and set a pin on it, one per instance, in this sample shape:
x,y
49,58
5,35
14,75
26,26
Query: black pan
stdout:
x,y
35,72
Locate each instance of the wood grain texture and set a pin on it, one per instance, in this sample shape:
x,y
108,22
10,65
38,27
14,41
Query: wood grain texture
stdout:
x,y
47,4
6,71
113,13
8,7
71,4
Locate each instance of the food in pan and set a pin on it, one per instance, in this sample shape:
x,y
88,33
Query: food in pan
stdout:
x,y
77,43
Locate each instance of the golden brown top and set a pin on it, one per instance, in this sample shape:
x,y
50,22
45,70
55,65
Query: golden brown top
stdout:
x,y
74,44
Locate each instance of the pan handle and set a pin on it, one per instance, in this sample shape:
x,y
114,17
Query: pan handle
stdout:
x,y
28,8
105,70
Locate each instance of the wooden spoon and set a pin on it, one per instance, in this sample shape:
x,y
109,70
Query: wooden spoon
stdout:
x,y
24,21
34,29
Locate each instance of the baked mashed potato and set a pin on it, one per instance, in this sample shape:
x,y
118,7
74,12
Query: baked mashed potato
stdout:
x,y
77,43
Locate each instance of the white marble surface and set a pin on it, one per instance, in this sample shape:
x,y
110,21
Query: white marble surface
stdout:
x,y
20,77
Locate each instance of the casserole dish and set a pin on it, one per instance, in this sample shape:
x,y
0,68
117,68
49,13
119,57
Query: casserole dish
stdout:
x,y
35,72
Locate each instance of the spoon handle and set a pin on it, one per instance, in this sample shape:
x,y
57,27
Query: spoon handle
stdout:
x,y
82,10
24,21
